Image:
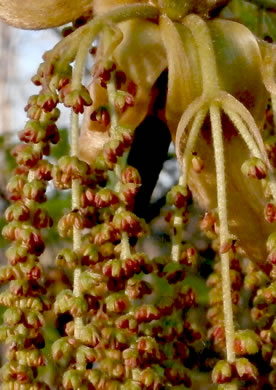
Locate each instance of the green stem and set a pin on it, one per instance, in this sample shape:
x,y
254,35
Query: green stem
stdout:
x,y
94,27
203,39
217,134
111,90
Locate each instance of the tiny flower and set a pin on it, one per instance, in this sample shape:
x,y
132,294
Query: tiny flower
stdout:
x,y
127,321
125,221
148,378
103,72
123,100
120,78
72,379
117,303
177,374
67,258
43,170
63,301
62,351
186,297
34,319
114,338
178,196
76,99
174,272
16,253
15,186
70,221
209,224
69,168
137,263
197,164
101,115
271,242
112,150
222,372
126,135
147,313
188,256
35,190
105,198
86,355
103,233
246,342
41,219
246,370
89,335
130,175
148,347
17,212
136,289
254,168
47,100
78,306
36,131
114,268
31,358
25,154
270,212
12,316
128,193
89,254
92,283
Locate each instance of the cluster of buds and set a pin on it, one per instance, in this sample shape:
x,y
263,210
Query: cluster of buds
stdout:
x,y
135,344
26,298
263,316
237,375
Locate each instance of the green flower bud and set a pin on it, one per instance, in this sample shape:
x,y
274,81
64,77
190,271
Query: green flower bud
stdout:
x,y
63,301
117,303
12,316
32,358
73,379
177,196
78,306
247,342
62,351
89,335
222,372
246,370
67,258
254,168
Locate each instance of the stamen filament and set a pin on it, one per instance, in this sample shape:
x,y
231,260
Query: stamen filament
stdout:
x,y
217,134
